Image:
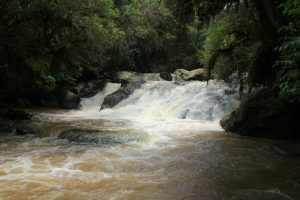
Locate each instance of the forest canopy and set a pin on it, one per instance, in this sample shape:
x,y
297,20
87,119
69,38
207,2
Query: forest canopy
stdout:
x,y
50,44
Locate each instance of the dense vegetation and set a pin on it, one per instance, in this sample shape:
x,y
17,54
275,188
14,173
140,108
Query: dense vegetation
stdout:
x,y
47,45
50,44
259,41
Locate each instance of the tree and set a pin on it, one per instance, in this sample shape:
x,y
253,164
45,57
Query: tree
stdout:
x,y
268,17
47,44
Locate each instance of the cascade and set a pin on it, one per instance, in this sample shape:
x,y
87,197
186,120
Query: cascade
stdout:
x,y
96,101
169,100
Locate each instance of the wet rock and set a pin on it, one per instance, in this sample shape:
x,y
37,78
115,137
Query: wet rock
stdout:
x,y
14,114
184,114
194,75
105,137
7,126
68,99
263,115
166,76
113,99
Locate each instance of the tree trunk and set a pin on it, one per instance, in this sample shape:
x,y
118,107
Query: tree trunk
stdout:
x,y
270,18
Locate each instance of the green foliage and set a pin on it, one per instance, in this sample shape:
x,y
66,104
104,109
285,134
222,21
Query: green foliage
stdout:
x,y
149,27
230,46
48,43
289,50
153,38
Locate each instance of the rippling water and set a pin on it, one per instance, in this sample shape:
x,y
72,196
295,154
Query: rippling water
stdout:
x,y
179,159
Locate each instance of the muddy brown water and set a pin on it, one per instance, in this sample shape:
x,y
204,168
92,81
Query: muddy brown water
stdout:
x,y
179,160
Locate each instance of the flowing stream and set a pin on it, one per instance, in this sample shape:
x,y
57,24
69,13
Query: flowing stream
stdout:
x,y
163,142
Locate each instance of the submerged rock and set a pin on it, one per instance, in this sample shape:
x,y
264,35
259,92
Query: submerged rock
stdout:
x,y
113,99
263,115
105,137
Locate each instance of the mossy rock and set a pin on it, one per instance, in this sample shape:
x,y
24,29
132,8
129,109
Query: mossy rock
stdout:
x,y
103,137
263,115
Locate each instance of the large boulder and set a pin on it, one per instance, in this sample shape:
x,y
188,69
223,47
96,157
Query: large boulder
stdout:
x,y
113,99
103,137
194,75
68,99
264,115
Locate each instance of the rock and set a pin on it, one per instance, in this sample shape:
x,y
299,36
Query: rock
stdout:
x,y
131,77
166,76
194,75
184,114
7,126
88,89
113,99
68,99
263,115
104,137
126,76
14,114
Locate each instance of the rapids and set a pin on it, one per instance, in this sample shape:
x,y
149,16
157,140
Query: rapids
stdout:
x,y
183,153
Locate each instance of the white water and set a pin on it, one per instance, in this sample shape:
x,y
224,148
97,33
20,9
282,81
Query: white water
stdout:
x,y
190,158
160,106
168,100
96,101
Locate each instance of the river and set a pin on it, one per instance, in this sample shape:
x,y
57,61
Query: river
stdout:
x,y
163,142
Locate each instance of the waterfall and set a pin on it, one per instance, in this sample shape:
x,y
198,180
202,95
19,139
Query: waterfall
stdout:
x,y
96,101
168,100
